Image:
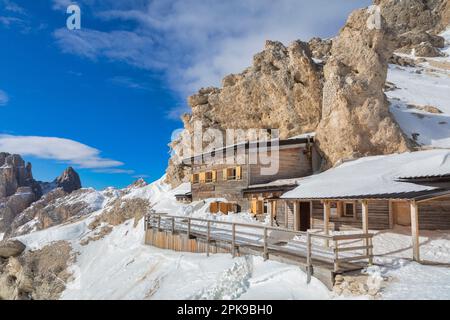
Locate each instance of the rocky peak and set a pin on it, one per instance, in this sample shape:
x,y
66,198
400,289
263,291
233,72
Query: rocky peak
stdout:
x,y
15,173
69,180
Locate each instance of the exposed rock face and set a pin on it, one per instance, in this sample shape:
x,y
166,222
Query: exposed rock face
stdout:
x,y
416,24
355,116
320,48
69,180
14,173
36,275
282,89
18,189
11,248
54,208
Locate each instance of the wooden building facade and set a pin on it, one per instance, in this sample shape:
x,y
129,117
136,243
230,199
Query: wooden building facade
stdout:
x,y
233,172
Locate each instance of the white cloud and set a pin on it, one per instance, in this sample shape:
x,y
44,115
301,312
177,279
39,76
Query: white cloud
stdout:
x,y
196,43
13,7
4,98
128,82
58,149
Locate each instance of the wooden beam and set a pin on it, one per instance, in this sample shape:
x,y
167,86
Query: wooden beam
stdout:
x,y
365,216
296,216
391,215
286,214
326,219
415,230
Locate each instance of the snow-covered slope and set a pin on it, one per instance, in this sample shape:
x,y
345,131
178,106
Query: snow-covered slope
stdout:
x,y
118,265
426,84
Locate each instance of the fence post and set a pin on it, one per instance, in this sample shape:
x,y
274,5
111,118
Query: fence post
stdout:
x,y
233,240
146,222
370,251
159,222
308,258
266,251
173,225
189,228
336,256
208,237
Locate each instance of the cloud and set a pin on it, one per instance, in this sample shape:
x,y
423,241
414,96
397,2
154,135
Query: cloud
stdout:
x,y
11,6
176,112
128,82
114,171
4,98
196,44
59,149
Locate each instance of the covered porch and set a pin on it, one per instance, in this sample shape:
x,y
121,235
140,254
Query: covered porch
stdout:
x,y
427,211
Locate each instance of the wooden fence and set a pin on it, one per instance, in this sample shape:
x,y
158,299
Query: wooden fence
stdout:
x,y
341,252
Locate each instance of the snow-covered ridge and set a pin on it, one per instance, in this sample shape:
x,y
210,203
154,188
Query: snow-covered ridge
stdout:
x,y
426,84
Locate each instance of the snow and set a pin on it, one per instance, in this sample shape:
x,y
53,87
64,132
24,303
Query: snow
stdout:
x,y
378,174
426,84
120,266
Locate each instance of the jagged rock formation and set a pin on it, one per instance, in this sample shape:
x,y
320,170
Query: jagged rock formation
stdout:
x,y
18,189
36,275
416,24
282,89
54,208
14,173
69,180
355,116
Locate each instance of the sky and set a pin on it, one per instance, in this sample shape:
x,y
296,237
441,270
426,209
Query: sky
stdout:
x,y
107,98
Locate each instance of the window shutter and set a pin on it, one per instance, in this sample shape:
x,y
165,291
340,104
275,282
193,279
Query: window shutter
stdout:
x,y
202,177
214,175
253,206
224,175
192,178
238,173
259,207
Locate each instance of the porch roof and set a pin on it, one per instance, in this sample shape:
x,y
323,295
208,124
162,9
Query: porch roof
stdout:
x,y
378,177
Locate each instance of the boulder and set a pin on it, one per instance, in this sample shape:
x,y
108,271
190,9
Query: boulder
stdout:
x,y
11,248
355,113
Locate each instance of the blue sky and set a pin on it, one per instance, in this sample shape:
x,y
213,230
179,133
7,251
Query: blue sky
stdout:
x,y
106,99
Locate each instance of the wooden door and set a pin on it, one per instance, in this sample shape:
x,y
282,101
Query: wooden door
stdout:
x,y
305,216
402,213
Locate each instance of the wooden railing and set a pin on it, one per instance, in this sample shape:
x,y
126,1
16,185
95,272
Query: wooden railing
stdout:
x,y
314,246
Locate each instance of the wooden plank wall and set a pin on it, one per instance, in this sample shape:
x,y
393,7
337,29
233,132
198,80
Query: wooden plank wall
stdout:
x,y
378,217
435,215
180,242
292,163
230,190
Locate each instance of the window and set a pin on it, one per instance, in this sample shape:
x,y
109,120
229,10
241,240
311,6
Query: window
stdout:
x,y
231,173
234,173
209,177
195,178
349,208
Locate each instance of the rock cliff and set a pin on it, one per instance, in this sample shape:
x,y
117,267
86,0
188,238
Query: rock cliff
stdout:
x,y
333,86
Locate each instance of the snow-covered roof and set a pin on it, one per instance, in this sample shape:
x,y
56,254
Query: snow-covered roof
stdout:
x,y
277,183
372,176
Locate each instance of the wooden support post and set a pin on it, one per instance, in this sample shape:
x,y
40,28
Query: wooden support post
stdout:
x,y
296,216
146,222
308,258
269,210
266,251
286,214
365,221
415,230
159,222
391,215
336,256
233,240
370,252
326,220
208,237
340,209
